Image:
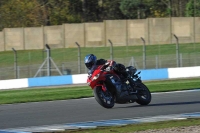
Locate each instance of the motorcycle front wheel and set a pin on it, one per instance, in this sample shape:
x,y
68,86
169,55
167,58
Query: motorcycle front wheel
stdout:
x,y
144,95
105,99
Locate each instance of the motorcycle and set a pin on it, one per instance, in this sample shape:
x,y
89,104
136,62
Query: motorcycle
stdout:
x,y
109,88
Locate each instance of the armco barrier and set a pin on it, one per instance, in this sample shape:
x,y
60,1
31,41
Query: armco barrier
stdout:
x,y
151,74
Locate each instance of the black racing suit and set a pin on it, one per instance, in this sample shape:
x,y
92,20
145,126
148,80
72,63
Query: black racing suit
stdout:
x,y
118,68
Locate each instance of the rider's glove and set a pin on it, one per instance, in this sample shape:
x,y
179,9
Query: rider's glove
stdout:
x,y
108,68
107,64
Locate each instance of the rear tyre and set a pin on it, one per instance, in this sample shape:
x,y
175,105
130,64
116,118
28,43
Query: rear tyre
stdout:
x,y
105,99
144,95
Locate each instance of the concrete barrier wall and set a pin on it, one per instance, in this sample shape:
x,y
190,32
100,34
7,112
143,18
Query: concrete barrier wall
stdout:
x,y
154,74
14,38
30,35
197,29
116,31
183,28
151,74
54,36
50,81
183,72
1,41
14,83
135,30
74,33
159,31
96,34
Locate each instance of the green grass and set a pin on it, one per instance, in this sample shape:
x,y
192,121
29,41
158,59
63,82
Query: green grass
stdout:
x,y
29,57
138,127
43,94
173,85
63,93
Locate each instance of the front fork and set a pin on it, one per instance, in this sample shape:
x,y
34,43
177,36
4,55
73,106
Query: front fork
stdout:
x,y
102,86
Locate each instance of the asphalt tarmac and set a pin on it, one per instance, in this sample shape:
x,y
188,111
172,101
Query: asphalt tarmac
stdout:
x,y
82,110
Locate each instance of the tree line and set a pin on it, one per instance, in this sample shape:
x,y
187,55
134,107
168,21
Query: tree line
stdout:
x,y
30,13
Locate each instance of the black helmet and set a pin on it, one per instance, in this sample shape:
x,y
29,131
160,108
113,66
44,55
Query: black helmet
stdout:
x,y
90,60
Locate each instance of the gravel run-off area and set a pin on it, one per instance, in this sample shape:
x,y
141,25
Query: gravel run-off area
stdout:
x,y
190,129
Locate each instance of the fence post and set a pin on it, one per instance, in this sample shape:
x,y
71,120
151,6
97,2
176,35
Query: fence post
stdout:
x,y
177,51
23,40
157,61
144,53
15,63
194,24
48,60
29,64
43,36
4,40
18,72
79,58
111,49
63,36
181,59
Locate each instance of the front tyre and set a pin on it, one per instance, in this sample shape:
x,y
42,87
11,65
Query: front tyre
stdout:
x,y
144,95
105,99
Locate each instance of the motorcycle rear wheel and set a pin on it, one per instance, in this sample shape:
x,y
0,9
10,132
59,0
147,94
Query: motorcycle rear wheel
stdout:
x,y
105,99
144,95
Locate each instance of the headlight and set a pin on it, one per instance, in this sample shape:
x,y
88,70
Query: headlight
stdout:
x,y
95,77
88,83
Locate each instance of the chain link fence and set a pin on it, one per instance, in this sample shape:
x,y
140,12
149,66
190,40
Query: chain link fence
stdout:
x,y
71,67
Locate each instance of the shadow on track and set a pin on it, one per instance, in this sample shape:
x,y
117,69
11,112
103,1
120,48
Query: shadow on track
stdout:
x,y
163,104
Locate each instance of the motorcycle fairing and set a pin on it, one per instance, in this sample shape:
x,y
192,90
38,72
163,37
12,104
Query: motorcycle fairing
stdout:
x,y
102,86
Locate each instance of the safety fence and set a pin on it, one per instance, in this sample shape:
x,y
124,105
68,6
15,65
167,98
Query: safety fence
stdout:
x,y
71,67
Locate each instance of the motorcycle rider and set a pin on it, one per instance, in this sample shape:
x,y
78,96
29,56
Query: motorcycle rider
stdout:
x,y
91,61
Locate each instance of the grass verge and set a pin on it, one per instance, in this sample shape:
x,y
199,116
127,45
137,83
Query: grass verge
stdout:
x,y
64,93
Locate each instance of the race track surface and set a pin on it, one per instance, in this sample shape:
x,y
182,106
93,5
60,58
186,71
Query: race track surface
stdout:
x,y
82,110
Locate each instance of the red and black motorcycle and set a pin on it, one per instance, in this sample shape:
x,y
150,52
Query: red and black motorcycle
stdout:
x,y
109,88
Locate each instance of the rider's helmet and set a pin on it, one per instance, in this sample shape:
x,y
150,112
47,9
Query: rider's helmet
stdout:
x,y
90,60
